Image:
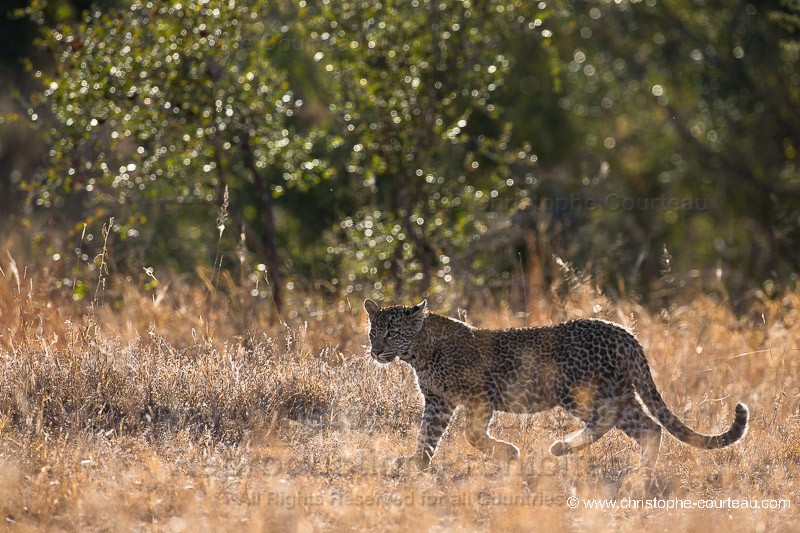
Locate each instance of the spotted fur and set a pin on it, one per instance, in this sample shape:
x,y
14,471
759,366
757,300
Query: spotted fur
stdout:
x,y
594,369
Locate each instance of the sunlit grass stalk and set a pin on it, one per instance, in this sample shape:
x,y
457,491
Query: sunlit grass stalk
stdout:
x,y
103,267
666,275
216,269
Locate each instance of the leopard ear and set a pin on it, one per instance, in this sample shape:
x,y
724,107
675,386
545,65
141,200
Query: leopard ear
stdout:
x,y
418,315
371,307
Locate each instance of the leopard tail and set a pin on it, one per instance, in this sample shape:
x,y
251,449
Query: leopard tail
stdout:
x,y
654,405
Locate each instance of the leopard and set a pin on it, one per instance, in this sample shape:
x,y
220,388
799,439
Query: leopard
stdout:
x,y
594,369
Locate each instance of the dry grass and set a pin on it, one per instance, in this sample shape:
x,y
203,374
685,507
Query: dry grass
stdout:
x,y
190,412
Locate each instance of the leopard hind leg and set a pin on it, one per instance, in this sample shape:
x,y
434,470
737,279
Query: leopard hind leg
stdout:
x,y
635,423
598,420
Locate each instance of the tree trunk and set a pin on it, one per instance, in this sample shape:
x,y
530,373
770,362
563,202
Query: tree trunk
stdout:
x,y
425,251
274,273
265,245
270,239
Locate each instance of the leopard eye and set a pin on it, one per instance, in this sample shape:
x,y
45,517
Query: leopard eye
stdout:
x,y
390,333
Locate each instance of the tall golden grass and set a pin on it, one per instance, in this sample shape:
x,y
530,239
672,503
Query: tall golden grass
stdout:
x,y
183,408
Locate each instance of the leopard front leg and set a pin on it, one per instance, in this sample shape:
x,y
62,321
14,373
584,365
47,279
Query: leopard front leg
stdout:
x,y
479,416
435,418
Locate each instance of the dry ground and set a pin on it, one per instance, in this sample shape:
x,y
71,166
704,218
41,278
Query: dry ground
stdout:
x,y
184,410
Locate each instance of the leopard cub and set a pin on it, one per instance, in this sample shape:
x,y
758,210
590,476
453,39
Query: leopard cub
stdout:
x,y
591,368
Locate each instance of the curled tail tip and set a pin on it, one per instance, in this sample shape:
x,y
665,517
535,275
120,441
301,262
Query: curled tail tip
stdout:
x,y
742,413
741,420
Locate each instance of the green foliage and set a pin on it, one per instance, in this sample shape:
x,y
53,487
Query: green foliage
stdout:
x,y
407,146
695,102
164,99
415,86
173,103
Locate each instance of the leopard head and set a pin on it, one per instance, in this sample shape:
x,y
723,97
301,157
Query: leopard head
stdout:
x,y
392,330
